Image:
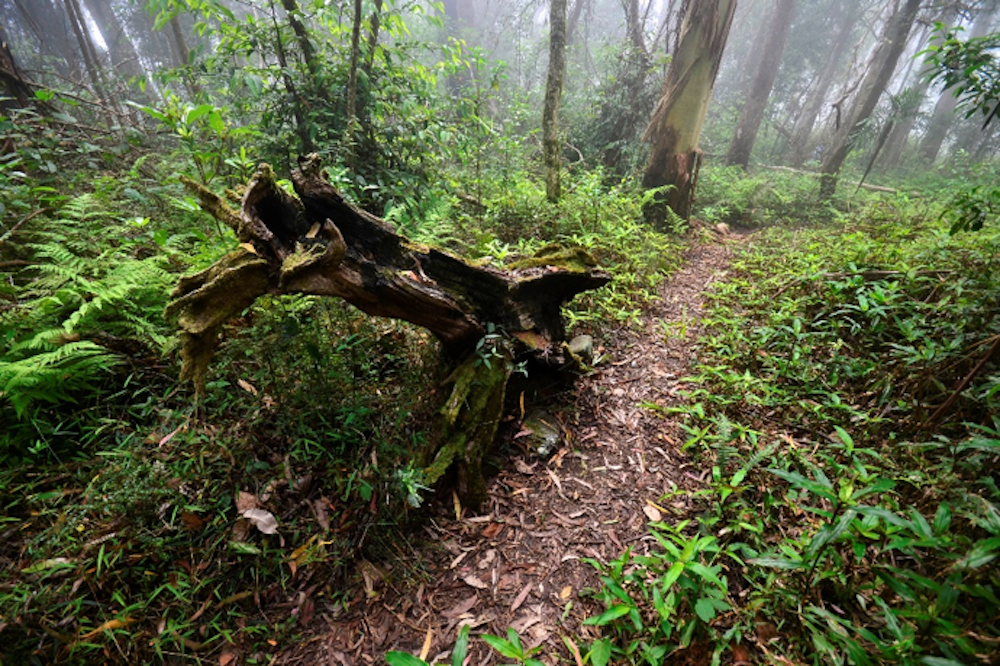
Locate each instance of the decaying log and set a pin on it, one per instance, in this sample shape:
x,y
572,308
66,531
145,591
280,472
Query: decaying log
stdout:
x,y
317,243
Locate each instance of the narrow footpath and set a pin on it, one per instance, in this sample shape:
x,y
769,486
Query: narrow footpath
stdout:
x,y
519,562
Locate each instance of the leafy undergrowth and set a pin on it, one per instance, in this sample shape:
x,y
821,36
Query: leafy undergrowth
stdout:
x,y
845,405
139,527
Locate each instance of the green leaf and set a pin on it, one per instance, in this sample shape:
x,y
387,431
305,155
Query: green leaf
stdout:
x,y
799,481
403,659
845,438
940,661
600,652
216,123
608,616
776,562
675,571
461,646
884,514
942,519
705,609
502,646
982,553
196,113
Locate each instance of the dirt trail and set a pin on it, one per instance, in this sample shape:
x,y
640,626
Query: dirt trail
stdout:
x,y
518,563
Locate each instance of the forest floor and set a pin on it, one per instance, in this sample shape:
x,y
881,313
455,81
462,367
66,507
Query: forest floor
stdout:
x,y
520,562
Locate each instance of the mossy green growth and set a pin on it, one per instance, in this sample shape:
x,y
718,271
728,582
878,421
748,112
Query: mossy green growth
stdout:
x,y
204,301
469,421
574,259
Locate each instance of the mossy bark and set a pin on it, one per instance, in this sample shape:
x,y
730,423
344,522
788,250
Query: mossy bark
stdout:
x,y
469,420
317,243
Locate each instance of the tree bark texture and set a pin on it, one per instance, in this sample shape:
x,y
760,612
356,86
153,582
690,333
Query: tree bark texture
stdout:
x,y
317,243
874,84
183,54
676,122
763,81
798,144
352,82
86,49
11,82
551,145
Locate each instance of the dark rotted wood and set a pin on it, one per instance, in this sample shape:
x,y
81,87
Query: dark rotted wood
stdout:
x,y
318,243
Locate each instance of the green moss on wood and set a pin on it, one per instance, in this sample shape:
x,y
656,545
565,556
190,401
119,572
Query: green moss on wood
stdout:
x,y
469,421
574,259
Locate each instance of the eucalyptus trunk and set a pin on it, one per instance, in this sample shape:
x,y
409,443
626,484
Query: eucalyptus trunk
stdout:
x,y
798,144
872,86
86,44
762,84
677,120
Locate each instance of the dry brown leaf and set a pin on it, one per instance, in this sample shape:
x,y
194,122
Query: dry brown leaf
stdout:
x,y
426,649
192,522
227,658
565,592
462,607
322,517
247,386
491,530
652,513
110,625
246,501
472,581
522,595
555,479
523,467
168,437
262,520
574,649
241,530
301,550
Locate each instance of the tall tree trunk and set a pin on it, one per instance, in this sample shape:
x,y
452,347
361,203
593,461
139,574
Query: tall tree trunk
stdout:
x,y
676,122
574,18
882,67
51,25
634,26
87,49
302,37
375,25
551,145
763,81
352,83
124,56
183,54
944,115
11,83
798,144
301,124
911,99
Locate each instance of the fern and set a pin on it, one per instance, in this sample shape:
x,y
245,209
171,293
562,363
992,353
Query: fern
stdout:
x,y
88,285
53,376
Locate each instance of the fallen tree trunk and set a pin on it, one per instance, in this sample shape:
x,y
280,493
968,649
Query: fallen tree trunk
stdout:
x,y
803,172
320,244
